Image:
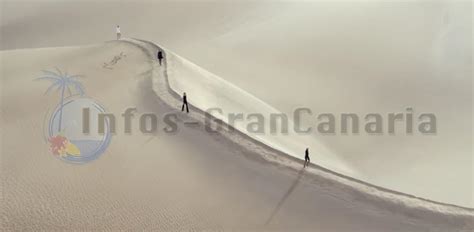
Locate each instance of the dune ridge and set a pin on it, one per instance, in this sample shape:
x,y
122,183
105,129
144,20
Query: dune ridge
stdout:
x,y
242,184
390,199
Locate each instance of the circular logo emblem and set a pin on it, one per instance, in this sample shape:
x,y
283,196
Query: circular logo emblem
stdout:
x,y
74,132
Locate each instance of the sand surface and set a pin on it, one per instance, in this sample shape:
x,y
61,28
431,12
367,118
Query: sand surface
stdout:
x,y
333,57
189,180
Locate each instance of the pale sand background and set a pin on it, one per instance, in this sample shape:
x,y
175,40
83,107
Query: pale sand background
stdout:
x,y
187,181
329,56
251,45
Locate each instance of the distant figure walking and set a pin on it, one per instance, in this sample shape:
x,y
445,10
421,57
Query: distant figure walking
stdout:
x,y
306,158
160,56
118,32
185,103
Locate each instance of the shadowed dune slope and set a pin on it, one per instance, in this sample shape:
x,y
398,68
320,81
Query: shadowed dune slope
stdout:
x,y
187,180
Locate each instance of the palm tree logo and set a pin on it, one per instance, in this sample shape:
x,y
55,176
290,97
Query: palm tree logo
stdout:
x,y
65,136
62,82
60,144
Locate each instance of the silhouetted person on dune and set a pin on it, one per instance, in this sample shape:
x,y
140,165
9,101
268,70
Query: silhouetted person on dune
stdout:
x,y
306,158
185,103
160,56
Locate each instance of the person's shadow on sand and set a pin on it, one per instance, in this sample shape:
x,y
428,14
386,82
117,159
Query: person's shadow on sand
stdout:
x,y
285,197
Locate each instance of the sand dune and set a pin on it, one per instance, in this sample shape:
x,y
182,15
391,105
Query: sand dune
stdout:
x,y
267,57
189,180
360,56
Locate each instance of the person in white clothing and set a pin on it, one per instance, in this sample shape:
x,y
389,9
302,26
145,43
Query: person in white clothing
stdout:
x,y
118,32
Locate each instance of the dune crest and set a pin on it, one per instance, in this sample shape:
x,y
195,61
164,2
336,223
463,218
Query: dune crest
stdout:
x,y
168,88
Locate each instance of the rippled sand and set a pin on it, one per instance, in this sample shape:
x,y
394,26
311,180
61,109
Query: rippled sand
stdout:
x,y
187,181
